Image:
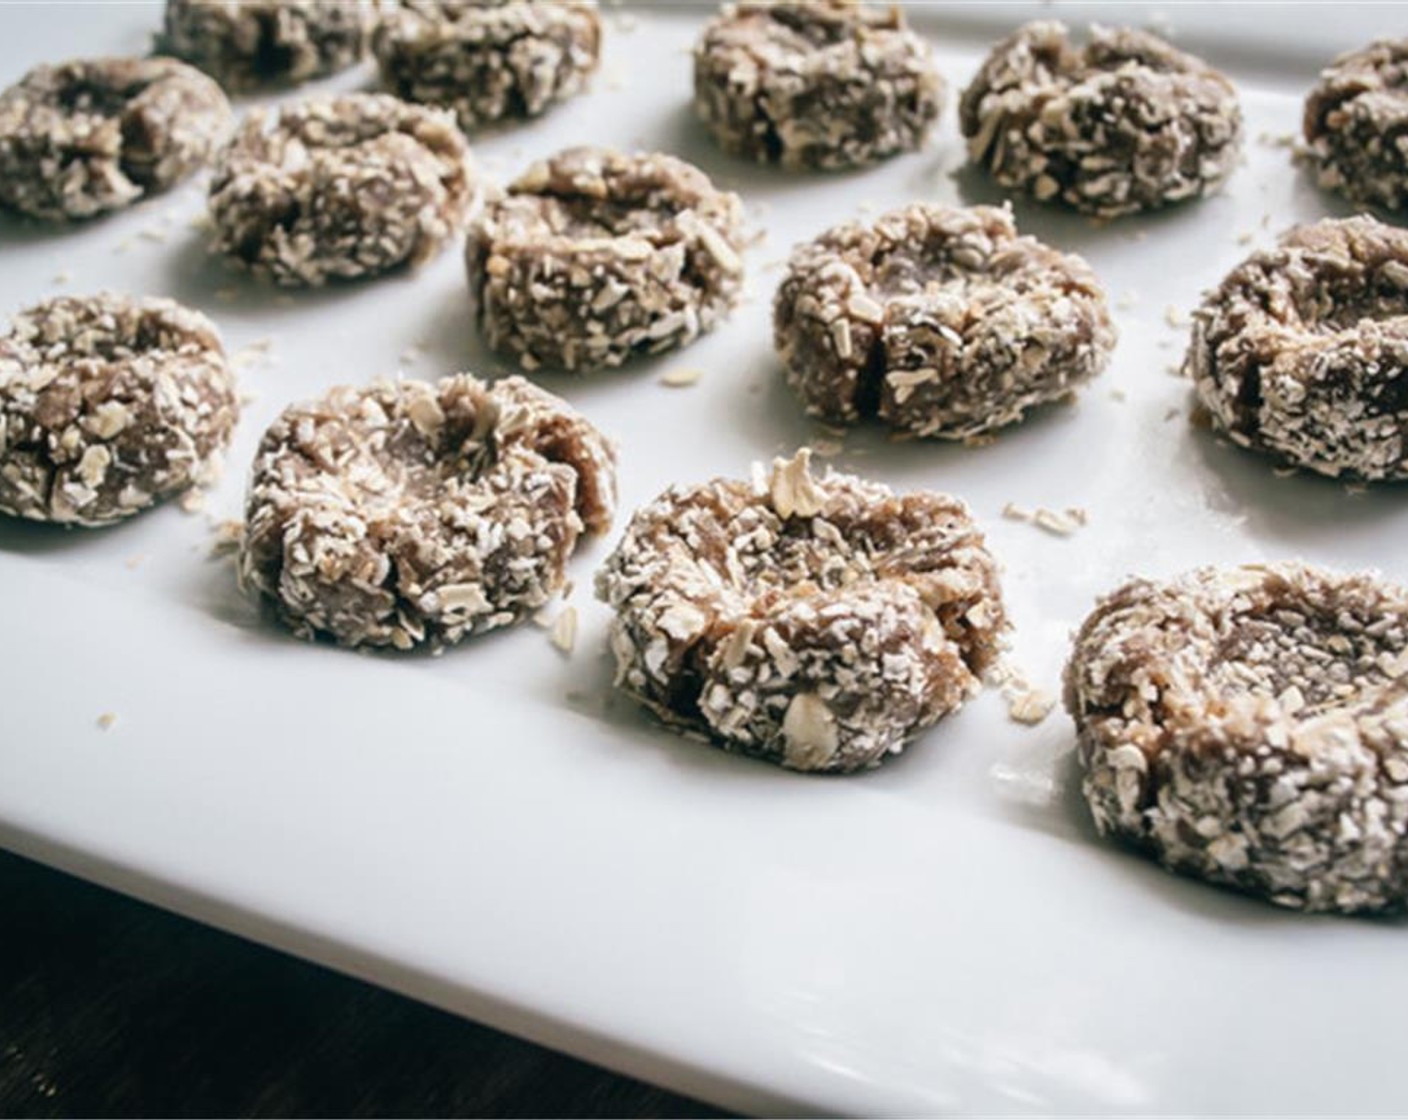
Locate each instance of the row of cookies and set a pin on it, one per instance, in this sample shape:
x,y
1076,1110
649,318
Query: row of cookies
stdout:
x,y
1249,726
1121,124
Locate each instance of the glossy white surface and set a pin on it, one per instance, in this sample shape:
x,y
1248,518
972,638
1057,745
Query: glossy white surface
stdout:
x,y
491,832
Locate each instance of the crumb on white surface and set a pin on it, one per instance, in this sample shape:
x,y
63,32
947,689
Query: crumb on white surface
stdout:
x,y
106,720
563,634
681,378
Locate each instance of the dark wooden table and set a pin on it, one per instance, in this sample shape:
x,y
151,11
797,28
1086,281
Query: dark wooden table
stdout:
x,y
109,1007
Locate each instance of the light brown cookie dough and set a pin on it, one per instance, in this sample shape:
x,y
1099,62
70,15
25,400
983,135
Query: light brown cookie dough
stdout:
x,y
107,405
819,623
411,513
341,188
593,257
1124,123
488,62
1249,726
244,44
1356,125
821,83
1302,350
93,135
937,321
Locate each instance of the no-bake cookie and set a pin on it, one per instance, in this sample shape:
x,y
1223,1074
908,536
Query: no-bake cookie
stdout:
x,y
411,513
595,256
938,321
1356,125
488,61
1122,124
1249,726
93,135
107,405
819,623
820,83
1302,350
341,188
244,44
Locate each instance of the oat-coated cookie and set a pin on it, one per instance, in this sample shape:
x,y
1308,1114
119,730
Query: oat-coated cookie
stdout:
x,y
1249,726
1124,123
488,61
938,321
341,188
1356,125
411,513
818,83
244,44
594,256
109,404
819,623
1302,351
93,135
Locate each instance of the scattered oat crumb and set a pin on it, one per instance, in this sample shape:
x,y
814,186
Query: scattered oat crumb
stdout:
x,y
63,277
1245,238
1171,414
192,501
1062,524
1174,317
1027,704
225,537
411,354
153,234
827,448
1284,472
1013,512
1355,489
1127,301
681,378
567,589
1118,395
563,634
106,720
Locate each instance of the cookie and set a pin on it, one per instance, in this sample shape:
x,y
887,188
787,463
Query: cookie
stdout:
x,y
818,84
94,135
341,188
1302,351
593,256
1249,726
245,44
414,514
488,62
819,623
937,321
1122,124
109,404
1355,120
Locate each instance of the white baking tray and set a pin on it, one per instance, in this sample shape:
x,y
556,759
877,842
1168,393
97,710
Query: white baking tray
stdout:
x,y
489,831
